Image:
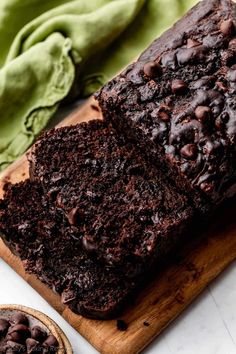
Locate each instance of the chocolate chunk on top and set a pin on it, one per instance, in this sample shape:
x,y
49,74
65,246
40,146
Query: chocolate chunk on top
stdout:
x,y
203,113
189,151
152,69
178,86
227,27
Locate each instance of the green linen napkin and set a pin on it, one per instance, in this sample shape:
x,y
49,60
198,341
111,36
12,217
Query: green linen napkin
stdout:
x,y
47,45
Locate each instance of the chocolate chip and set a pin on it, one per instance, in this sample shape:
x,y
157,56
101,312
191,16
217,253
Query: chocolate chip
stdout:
x,y
52,194
214,40
169,60
164,116
121,325
221,86
227,27
60,201
218,123
192,43
19,338
19,318
68,296
4,325
231,74
51,341
88,244
232,43
73,216
155,218
178,86
206,187
38,333
204,82
189,151
185,55
167,103
33,346
203,113
152,69
18,333
14,337
212,169
225,117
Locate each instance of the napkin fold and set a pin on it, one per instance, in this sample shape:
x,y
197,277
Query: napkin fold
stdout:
x,y
53,48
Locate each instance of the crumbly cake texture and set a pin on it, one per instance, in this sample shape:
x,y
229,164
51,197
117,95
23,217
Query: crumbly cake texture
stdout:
x,y
45,244
178,102
122,210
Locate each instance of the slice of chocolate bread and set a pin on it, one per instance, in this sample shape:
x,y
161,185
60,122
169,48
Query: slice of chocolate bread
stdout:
x,y
122,210
178,102
45,244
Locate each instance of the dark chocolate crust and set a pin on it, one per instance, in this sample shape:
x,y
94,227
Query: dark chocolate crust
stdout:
x,y
122,210
178,102
44,241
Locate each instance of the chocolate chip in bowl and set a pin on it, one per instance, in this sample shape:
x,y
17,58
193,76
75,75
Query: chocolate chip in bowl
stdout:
x,y
28,331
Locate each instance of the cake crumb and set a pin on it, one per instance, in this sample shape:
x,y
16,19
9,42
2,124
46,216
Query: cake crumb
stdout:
x,y
146,324
94,107
121,325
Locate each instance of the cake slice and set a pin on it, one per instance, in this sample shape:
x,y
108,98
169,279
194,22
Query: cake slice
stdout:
x,y
177,101
123,211
45,243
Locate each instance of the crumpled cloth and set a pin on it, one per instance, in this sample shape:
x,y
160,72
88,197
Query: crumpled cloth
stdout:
x,y
54,49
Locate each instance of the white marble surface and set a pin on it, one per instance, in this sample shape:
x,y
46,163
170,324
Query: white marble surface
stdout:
x,y
208,326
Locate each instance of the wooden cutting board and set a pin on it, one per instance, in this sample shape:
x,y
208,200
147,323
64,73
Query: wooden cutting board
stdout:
x,y
164,298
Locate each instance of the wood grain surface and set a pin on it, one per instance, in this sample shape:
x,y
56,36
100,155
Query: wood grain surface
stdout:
x,y
174,287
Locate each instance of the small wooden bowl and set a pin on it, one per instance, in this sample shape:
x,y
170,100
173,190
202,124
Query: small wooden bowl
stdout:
x,y
52,327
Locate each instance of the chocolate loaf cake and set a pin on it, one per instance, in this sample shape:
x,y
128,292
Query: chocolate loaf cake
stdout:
x,y
108,199
45,244
123,211
177,102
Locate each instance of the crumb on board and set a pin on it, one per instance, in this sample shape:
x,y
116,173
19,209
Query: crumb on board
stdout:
x,y
121,325
146,324
96,108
